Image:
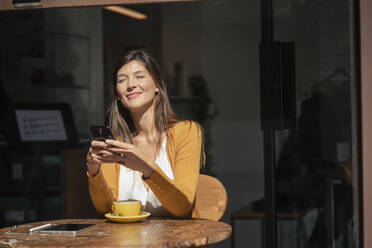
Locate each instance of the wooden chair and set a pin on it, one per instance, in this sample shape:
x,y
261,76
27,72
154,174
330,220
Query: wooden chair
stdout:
x,y
211,199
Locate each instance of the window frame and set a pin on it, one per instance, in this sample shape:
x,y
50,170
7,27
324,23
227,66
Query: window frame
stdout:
x,y
45,4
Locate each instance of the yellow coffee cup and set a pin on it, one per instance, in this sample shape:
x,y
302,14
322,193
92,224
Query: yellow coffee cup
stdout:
x,y
126,208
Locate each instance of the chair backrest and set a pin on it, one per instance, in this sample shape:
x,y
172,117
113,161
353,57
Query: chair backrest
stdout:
x,y
211,199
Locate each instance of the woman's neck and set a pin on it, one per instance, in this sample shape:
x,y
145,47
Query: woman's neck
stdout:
x,y
144,123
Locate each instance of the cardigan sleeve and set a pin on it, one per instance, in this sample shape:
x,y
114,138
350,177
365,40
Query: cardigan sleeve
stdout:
x,y
178,195
103,187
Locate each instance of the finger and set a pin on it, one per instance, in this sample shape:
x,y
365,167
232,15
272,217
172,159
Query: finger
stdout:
x,y
89,152
115,158
97,150
93,159
100,159
104,153
108,161
98,144
118,150
118,144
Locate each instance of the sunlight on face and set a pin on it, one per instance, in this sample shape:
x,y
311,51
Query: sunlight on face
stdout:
x,y
135,86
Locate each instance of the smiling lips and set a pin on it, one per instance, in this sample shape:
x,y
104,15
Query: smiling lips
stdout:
x,y
132,95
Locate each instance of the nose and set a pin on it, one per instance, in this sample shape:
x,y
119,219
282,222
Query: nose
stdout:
x,y
131,84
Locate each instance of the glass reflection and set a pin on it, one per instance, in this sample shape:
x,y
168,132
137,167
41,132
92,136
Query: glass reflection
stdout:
x,y
315,162
209,49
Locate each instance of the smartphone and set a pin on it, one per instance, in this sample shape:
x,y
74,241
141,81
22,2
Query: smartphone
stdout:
x,y
66,228
101,132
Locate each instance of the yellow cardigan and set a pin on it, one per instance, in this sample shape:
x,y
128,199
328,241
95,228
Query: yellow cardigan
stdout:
x,y
184,140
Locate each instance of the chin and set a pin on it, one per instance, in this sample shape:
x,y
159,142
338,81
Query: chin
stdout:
x,y
138,107
138,104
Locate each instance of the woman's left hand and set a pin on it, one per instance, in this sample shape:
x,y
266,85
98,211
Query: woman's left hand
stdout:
x,y
130,156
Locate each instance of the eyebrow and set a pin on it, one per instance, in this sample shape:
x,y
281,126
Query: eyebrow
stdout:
x,y
125,75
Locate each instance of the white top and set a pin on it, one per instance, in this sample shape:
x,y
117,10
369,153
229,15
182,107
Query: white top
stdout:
x,y
131,185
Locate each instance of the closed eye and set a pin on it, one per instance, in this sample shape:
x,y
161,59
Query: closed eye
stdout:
x,y
121,80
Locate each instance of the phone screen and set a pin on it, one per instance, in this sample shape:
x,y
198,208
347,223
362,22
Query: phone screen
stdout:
x,y
66,228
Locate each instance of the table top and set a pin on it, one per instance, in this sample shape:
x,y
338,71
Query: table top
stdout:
x,y
152,232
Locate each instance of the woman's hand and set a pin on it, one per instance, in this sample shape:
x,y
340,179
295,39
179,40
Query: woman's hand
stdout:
x,y
130,156
96,155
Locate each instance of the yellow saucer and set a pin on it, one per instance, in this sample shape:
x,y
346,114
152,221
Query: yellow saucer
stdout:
x,y
127,219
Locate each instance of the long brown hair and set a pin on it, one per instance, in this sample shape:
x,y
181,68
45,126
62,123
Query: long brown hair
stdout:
x,y
120,120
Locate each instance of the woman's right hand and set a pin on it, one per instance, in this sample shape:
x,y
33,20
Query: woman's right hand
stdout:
x,y
95,156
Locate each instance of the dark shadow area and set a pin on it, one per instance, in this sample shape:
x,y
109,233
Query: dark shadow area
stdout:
x,y
314,166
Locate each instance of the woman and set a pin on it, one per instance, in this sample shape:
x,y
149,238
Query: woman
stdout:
x,y
155,157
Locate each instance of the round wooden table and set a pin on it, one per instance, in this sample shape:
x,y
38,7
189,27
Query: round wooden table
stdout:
x,y
153,232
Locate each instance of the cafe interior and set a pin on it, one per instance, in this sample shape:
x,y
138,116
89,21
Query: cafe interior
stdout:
x,y
299,133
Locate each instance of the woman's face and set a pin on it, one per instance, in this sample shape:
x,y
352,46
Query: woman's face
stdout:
x,y
135,86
